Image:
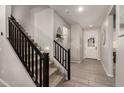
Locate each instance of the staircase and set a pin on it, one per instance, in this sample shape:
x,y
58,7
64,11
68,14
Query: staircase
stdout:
x,y
55,76
34,57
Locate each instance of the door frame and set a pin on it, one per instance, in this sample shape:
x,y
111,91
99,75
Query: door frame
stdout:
x,y
98,45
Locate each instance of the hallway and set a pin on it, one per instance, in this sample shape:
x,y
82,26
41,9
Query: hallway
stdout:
x,y
89,73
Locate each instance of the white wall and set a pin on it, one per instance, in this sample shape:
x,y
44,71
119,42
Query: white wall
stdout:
x,y
24,15
12,72
38,22
120,61
60,22
107,50
43,31
120,48
76,43
8,13
3,19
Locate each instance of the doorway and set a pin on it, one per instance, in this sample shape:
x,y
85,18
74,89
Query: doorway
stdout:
x,y
91,44
65,36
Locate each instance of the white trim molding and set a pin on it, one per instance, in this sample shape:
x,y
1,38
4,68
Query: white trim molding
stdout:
x,y
106,71
4,83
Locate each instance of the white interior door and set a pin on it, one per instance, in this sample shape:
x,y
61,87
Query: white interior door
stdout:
x,y
91,44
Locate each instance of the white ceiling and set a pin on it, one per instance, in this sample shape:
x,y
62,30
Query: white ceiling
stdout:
x,y
92,14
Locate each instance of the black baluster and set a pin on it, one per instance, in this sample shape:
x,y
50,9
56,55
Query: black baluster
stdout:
x,y
36,67
17,42
38,71
60,55
63,57
15,38
23,48
32,62
58,52
26,53
20,44
65,60
29,56
10,28
9,33
69,64
12,35
55,49
41,70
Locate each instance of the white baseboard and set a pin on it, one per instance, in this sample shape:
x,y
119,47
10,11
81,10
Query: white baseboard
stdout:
x,y
75,61
99,59
91,58
4,83
110,75
107,73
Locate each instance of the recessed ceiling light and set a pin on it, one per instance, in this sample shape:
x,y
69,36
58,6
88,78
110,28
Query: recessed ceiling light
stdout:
x,y
80,9
67,11
90,25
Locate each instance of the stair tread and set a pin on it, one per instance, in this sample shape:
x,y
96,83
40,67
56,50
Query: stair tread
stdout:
x,y
52,70
56,80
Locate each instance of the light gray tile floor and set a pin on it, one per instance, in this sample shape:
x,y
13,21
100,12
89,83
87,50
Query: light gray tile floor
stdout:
x,y
88,73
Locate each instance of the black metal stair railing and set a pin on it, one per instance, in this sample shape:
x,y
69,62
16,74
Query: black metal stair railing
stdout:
x,y
35,61
62,56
